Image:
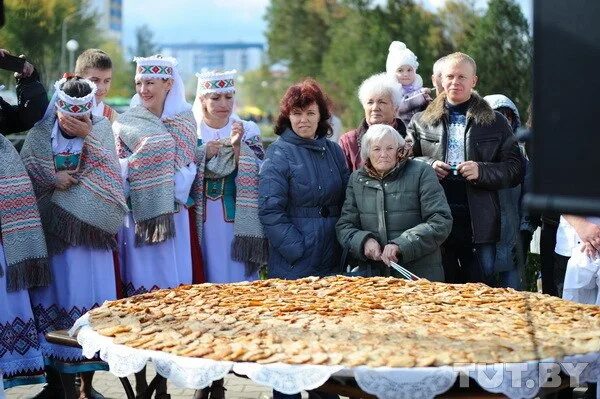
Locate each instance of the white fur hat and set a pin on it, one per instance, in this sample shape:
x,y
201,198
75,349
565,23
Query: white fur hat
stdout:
x,y
399,55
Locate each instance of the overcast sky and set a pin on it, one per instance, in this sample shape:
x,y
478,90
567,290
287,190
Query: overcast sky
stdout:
x,y
184,21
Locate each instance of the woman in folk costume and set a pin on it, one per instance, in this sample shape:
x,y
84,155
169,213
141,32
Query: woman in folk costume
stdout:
x,y
230,153
156,139
23,265
72,162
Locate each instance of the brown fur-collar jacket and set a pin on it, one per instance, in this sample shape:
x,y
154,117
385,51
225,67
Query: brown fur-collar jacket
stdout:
x,y
489,141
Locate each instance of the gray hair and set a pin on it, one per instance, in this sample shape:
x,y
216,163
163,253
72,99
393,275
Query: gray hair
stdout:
x,y
380,84
438,67
375,133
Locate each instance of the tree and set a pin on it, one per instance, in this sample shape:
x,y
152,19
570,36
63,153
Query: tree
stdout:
x,y
359,47
459,18
297,33
34,28
144,42
263,88
501,46
123,70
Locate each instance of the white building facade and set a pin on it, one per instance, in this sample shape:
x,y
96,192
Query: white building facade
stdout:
x,y
198,57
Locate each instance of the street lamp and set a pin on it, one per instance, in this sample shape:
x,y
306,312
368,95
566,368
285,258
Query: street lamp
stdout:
x,y
72,45
63,39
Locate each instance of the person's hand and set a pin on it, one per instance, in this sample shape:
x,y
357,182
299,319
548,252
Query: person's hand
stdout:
x,y
590,251
27,69
372,249
74,126
469,170
427,94
212,148
237,131
64,180
589,233
390,254
441,169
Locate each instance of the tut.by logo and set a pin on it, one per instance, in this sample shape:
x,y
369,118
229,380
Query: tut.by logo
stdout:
x,y
526,375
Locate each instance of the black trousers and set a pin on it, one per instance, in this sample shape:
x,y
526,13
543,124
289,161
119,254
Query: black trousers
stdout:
x,y
548,258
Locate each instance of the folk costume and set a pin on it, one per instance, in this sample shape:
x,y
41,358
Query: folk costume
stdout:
x,y
80,223
23,265
232,238
106,111
158,167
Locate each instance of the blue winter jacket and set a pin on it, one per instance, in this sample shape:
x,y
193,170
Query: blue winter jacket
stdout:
x,y
302,184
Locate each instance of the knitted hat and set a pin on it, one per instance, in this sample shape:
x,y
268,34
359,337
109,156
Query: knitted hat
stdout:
x,y
154,67
216,82
74,106
399,55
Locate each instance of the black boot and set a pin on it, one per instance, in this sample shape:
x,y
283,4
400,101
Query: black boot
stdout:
x,y
53,388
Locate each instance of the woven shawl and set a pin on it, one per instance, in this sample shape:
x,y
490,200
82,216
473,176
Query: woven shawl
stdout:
x,y
20,225
249,242
89,213
155,149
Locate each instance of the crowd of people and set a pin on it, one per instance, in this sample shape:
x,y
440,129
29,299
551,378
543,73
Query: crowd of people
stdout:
x,y
100,205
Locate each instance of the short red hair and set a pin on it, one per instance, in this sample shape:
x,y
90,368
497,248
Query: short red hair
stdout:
x,y
301,95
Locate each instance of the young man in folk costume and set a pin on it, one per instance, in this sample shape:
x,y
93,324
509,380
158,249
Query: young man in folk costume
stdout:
x,y
23,265
226,214
71,159
156,139
96,65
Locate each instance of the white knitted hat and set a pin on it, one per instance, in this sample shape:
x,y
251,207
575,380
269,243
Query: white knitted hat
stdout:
x,y
399,55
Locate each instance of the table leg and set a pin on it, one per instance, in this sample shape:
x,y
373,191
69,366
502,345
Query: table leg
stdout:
x,y
127,387
147,394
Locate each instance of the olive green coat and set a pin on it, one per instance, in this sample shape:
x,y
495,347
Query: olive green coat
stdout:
x,y
407,207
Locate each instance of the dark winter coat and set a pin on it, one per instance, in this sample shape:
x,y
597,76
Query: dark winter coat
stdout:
x,y
407,208
32,103
301,191
489,141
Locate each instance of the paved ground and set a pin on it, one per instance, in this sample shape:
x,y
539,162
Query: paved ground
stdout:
x,y
110,387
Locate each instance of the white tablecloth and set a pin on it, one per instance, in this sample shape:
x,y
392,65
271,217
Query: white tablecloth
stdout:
x,y
515,380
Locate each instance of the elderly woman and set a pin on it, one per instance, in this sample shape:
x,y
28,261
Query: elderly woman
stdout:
x,y
301,191
395,210
380,96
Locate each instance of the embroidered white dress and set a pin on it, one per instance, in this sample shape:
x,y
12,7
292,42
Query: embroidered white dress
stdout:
x,y
217,233
164,265
83,279
21,360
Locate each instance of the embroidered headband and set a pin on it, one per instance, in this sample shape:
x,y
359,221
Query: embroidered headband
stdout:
x,y
216,82
74,106
154,67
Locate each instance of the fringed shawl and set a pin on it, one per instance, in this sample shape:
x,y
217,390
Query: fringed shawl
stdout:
x,y
90,212
155,149
20,225
249,243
